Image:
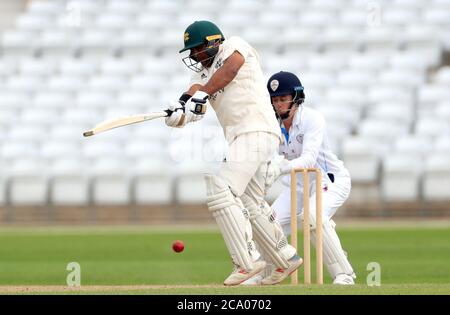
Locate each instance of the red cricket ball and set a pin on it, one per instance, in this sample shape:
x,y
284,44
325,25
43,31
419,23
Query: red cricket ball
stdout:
x,y
178,246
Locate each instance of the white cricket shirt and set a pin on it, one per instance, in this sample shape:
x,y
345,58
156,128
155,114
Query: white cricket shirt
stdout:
x,y
307,144
244,104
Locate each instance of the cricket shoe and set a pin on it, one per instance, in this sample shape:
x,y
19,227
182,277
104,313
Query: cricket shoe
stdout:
x,y
255,280
280,274
344,279
239,275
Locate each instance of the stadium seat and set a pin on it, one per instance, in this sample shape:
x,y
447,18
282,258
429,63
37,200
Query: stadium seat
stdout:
x,y
23,84
69,185
400,112
65,83
36,116
366,62
341,40
190,187
28,185
110,182
380,40
94,99
135,43
52,100
361,158
443,76
442,144
356,79
437,178
431,127
153,182
413,145
401,177
17,44
95,44
389,93
27,22
75,66
12,150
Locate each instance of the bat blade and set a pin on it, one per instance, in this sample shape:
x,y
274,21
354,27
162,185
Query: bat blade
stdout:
x,y
123,121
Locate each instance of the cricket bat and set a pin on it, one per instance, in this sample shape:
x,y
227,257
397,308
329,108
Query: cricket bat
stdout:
x,y
124,121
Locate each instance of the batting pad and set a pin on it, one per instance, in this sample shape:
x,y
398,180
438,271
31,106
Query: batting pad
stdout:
x,y
233,221
268,233
334,257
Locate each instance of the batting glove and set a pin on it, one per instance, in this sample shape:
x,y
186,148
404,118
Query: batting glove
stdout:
x,y
177,119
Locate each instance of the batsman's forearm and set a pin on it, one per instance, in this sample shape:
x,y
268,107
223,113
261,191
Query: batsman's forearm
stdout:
x,y
219,80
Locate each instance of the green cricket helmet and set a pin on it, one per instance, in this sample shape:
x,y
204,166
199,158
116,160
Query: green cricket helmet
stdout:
x,y
197,34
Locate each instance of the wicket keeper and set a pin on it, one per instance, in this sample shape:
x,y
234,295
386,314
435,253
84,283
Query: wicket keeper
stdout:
x,y
305,145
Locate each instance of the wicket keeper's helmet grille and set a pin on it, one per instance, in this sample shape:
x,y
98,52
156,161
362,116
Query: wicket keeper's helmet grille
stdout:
x,y
199,33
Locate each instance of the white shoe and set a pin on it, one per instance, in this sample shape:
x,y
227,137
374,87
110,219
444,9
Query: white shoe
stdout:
x,y
240,275
255,280
344,279
280,274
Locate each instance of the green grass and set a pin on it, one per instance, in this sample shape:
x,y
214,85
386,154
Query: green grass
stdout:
x,y
413,260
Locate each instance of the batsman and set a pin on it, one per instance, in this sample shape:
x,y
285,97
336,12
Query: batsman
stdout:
x,y
228,77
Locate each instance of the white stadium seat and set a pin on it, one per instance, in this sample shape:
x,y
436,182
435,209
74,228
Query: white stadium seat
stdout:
x,y
52,100
135,43
106,82
437,178
443,76
95,44
73,66
36,116
14,100
389,93
95,99
113,21
356,79
69,183
110,182
393,112
361,158
33,23
341,40
413,145
382,132
153,182
13,150
55,43
401,78
23,84
36,67
442,144
401,177
125,7
431,127
65,83
17,44
28,183
382,40
190,182
59,150
366,62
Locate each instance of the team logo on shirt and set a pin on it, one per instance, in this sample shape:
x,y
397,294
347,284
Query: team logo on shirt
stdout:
x,y
299,138
203,76
219,63
274,84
